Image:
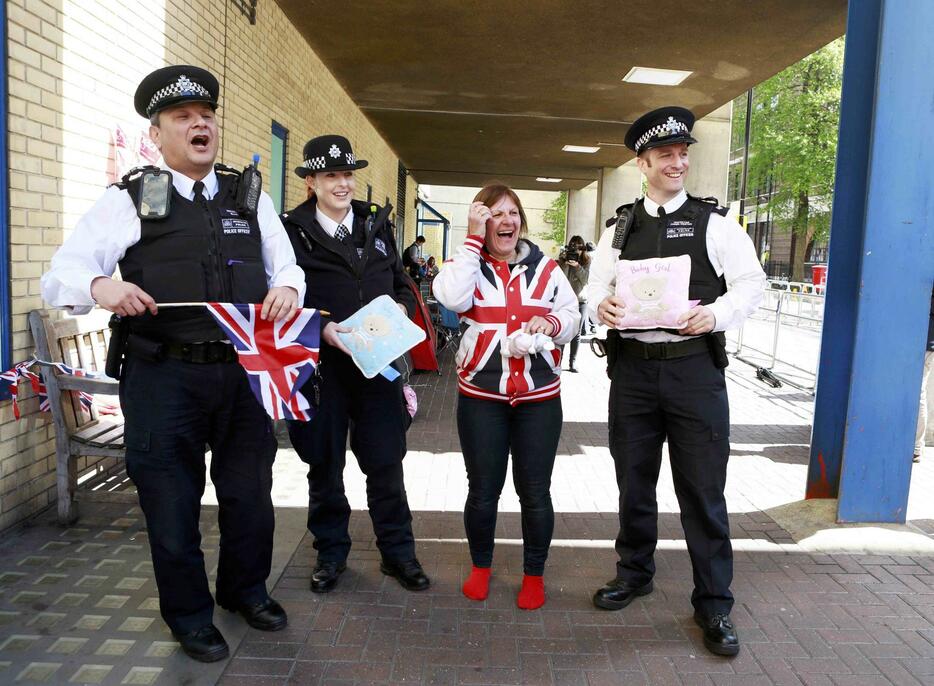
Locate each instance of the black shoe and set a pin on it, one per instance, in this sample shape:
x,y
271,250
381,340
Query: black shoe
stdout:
x,y
617,594
325,576
915,458
204,645
409,573
719,634
572,369
267,615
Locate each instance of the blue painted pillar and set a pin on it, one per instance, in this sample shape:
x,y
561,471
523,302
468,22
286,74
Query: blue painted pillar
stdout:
x,y
881,264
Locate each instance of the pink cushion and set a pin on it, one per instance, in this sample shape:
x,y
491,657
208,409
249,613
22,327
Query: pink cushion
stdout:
x,y
655,291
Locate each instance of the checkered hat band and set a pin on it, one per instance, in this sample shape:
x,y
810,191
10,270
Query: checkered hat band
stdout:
x,y
315,163
183,86
666,128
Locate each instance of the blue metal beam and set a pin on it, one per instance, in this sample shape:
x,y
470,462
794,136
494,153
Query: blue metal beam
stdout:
x,y
6,318
881,264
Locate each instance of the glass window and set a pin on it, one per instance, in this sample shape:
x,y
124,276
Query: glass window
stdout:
x,y
280,136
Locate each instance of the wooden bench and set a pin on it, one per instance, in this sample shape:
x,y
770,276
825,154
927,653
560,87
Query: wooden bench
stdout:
x,y
79,342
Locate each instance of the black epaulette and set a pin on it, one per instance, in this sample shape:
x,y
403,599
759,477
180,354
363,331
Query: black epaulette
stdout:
x,y
224,169
132,174
710,200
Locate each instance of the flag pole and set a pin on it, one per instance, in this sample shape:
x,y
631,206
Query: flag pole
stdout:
x,y
324,313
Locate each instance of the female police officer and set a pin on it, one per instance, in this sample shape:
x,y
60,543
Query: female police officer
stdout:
x,y
347,250
181,387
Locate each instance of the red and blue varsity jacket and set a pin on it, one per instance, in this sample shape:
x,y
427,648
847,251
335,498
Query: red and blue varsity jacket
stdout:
x,y
494,302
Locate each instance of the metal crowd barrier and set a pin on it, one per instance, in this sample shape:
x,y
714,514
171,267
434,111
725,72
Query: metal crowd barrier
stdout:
x,y
789,310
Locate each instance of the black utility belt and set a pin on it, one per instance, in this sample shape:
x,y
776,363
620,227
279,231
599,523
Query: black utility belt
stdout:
x,y
206,352
664,351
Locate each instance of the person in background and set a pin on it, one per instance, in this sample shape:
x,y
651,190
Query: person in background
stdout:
x,y
518,306
431,268
925,377
575,263
413,260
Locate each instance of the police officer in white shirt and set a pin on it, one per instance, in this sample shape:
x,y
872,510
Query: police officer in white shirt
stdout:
x,y
182,233
670,384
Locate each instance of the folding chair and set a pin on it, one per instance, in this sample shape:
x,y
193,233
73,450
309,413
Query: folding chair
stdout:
x,y
448,329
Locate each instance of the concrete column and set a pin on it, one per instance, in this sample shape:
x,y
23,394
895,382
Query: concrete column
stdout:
x,y
582,213
615,187
710,156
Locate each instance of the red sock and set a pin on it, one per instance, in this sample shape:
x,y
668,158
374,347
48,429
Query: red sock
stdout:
x,y
532,594
477,586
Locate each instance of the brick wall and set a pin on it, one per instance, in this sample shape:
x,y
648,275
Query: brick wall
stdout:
x,y
73,68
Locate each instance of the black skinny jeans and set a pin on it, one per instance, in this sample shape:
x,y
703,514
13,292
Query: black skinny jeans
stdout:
x,y
488,430
575,342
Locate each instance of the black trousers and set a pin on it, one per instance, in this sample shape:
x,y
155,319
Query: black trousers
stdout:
x,y
489,431
575,342
172,410
685,401
373,411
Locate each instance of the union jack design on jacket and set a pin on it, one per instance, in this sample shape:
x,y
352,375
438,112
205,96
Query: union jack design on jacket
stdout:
x,y
279,357
495,302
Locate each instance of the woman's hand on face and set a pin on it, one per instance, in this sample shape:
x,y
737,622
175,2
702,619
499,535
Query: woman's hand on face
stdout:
x,y
477,217
540,325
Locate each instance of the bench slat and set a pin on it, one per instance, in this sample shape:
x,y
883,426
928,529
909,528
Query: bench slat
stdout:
x,y
109,439
106,386
92,431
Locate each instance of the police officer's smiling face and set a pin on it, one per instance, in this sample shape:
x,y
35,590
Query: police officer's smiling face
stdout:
x,y
502,228
665,169
334,190
187,137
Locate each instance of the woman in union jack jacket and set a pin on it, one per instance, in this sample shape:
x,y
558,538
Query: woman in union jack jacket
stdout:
x,y
519,309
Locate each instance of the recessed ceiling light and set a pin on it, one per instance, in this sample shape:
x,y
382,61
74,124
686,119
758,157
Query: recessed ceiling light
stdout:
x,y
656,77
548,179
580,148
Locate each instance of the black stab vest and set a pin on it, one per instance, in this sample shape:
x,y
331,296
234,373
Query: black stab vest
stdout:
x,y
203,251
683,232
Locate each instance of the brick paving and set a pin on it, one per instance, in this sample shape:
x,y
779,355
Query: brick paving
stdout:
x,y
77,605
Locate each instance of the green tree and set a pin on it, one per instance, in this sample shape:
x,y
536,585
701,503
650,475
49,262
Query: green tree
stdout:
x,y
556,216
793,147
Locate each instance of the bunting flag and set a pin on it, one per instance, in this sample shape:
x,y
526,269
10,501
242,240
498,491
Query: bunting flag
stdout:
x,y
279,357
23,372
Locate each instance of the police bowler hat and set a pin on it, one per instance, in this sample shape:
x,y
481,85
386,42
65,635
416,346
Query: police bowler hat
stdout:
x,y
174,85
328,153
664,126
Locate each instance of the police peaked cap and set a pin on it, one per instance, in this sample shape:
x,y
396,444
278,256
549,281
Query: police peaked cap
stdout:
x,y
326,154
664,126
174,85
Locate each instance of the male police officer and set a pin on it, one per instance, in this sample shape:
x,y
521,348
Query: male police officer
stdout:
x,y
180,235
670,384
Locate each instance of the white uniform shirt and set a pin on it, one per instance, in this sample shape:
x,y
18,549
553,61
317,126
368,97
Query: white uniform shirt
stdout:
x,y
101,237
329,225
730,252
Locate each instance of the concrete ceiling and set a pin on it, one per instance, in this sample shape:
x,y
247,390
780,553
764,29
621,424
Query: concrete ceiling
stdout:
x,y
468,91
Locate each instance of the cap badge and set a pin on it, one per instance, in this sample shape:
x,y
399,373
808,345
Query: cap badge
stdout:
x,y
673,126
334,152
186,85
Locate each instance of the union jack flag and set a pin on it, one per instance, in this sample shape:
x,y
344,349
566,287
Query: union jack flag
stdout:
x,y
279,357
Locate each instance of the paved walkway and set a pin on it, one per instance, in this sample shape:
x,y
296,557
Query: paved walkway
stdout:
x,y
78,605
